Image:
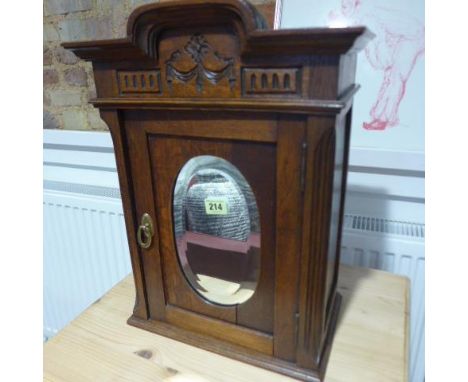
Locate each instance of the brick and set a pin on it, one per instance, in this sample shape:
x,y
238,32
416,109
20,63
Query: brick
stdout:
x,y
65,56
86,29
47,56
60,7
49,121
95,121
119,21
50,33
136,3
50,77
65,97
76,76
74,120
267,10
118,14
92,91
105,6
46,98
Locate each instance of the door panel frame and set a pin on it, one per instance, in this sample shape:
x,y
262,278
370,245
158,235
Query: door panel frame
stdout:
x,y
269,128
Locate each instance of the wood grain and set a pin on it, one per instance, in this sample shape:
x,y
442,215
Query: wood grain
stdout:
x,y
113,120
316,226
370,343
288,233
238,335
197,77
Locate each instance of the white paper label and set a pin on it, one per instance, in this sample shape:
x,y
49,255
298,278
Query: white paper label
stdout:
x,y
216,206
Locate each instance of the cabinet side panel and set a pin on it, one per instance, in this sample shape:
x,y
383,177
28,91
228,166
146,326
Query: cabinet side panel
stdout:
x,y
288,234
316,232
111,117
339,185
344,125
144,204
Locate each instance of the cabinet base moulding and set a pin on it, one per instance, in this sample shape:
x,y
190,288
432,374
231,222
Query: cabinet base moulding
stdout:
x,y
242,354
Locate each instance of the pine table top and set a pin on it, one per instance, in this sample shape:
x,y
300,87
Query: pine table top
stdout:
x,y
371,342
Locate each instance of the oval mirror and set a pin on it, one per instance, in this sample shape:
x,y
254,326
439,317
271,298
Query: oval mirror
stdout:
x,y
217,230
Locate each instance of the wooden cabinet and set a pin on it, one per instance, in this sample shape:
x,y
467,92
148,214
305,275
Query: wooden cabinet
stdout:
x,y
206,106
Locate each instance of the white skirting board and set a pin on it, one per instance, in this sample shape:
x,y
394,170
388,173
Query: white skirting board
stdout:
x,y
86,253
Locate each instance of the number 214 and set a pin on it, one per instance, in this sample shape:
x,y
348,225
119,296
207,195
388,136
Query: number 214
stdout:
x,y
216,206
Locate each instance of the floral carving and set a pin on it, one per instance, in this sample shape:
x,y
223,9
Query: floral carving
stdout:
x,y
198,49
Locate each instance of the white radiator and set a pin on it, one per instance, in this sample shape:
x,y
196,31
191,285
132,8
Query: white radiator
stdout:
x,y
86,253
85,248
396,247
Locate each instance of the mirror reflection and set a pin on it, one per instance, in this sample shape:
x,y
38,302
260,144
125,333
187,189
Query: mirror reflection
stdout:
x,y
217,230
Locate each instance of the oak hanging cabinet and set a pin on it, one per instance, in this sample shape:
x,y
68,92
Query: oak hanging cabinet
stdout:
x,y
231,144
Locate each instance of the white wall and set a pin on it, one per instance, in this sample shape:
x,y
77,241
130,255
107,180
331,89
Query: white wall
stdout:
x,y
397,49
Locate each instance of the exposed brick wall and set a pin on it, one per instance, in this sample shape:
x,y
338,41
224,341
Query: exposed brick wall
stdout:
x,y
68,81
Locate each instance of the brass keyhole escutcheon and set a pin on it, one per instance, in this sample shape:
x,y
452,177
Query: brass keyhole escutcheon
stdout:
x,y
145,232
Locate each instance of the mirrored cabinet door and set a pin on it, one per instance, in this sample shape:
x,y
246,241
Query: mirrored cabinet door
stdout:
x,y
214,217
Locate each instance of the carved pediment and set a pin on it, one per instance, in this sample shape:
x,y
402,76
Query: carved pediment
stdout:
x,y
200,62
146,24
219,49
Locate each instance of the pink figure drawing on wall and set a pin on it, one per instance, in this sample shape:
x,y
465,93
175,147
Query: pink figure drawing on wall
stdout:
x,y
398,44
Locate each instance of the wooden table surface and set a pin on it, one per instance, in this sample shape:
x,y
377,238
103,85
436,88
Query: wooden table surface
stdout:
x,y
371,342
